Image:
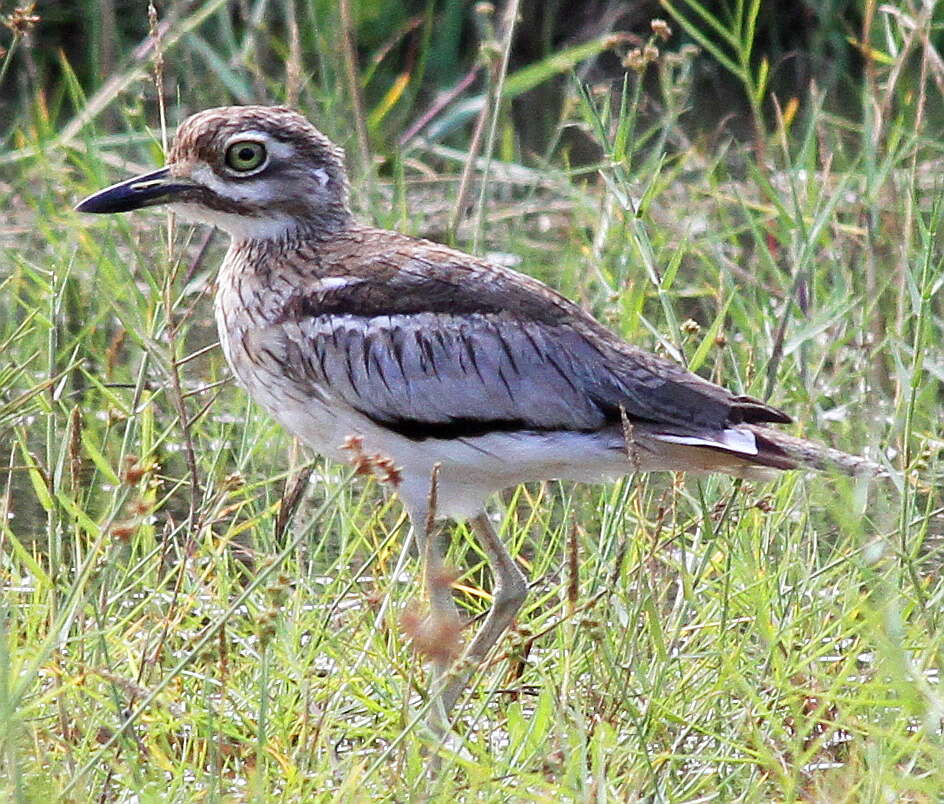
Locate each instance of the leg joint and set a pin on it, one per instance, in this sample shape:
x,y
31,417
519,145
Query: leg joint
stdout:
x,y
511,590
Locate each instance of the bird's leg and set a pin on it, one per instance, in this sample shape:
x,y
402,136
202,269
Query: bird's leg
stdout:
x,y
438,636
438,584
508,595
437,578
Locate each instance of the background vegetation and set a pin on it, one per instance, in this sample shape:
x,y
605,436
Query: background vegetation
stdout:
x,y
195,610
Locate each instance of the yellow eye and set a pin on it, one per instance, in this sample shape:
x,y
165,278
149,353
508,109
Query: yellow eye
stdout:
x,y
245,156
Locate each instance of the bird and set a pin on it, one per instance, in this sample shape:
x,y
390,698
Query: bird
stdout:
x,y
467,376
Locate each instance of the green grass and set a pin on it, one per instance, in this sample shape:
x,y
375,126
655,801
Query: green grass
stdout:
x,y
167,636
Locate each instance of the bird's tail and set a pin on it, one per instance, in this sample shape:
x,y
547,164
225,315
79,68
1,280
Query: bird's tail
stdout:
x,y
779,450
749,451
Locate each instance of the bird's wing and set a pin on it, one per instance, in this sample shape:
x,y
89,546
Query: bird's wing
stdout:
x,y
432,345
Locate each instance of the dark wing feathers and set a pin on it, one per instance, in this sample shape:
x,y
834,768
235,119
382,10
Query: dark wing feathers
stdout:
x,y
447,347
434,369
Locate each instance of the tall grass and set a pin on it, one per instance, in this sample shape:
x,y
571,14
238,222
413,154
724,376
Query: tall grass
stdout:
x,y
194,608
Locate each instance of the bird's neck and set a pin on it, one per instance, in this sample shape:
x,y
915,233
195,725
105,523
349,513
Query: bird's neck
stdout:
x,y
286,230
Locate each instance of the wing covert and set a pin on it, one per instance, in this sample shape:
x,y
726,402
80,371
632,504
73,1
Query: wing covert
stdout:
x,y
428,344
447,375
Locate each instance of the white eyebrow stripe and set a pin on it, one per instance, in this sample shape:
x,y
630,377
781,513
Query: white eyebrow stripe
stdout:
x,y
276,148
327,283
280,150
248,134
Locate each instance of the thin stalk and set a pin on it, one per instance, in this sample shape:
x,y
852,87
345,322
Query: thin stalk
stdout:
x,y
508,29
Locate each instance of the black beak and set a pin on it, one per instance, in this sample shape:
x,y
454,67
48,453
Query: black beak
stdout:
x,y
157,187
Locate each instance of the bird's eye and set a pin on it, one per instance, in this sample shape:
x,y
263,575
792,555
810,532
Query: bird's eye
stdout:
x,y
245,156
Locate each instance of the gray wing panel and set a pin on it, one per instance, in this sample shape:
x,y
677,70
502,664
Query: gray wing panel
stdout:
x,y
436,368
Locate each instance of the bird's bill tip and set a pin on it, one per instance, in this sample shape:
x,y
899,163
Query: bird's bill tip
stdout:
x,y
157,187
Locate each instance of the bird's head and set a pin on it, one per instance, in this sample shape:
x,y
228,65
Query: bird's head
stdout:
x,y
255,171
